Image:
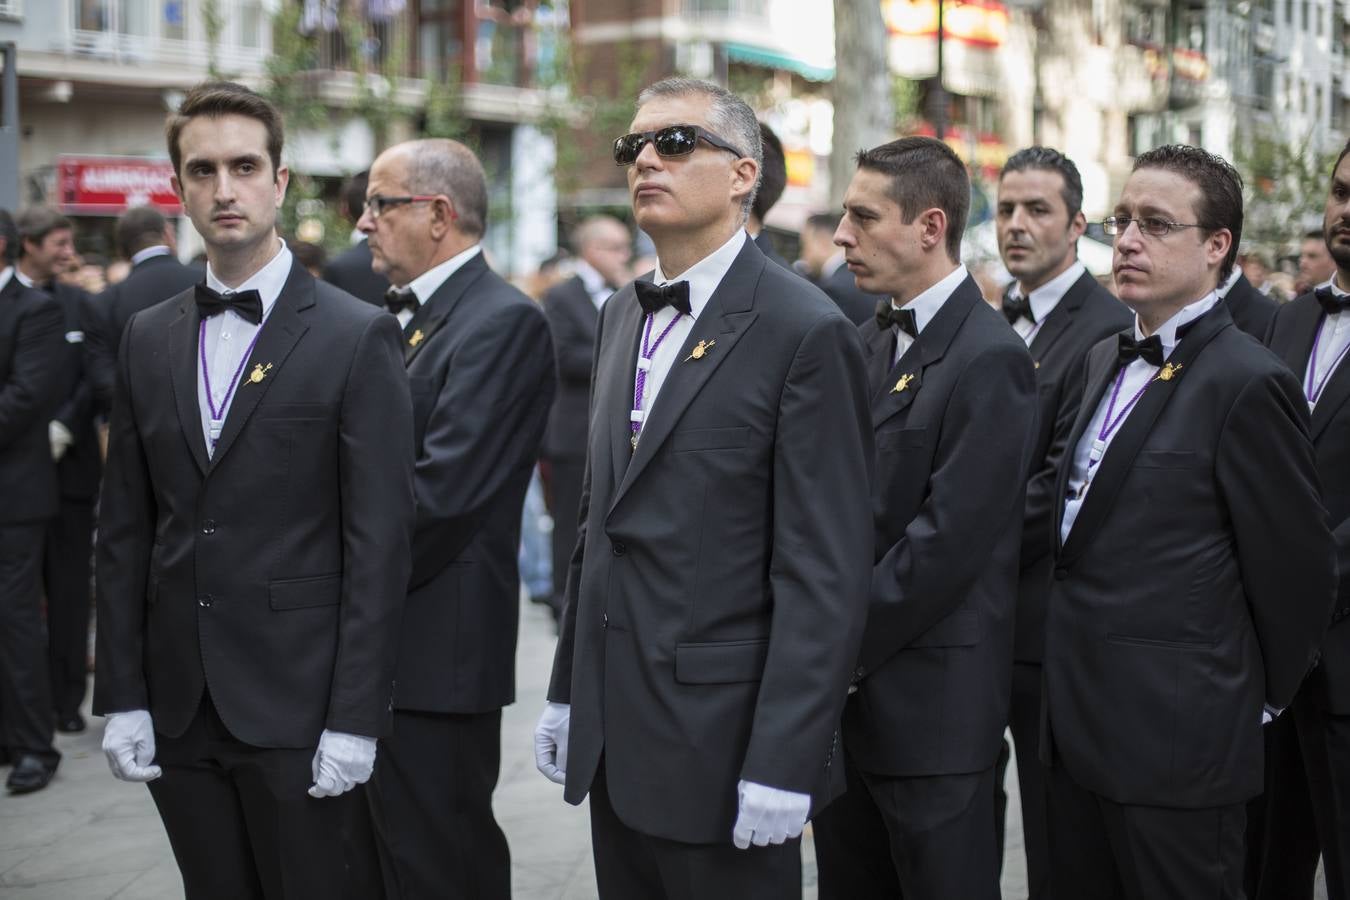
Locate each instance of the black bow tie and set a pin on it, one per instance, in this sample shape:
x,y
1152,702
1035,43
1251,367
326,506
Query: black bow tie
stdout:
x,y
246,304
888,315
1015,307
398,299
655,297
1150,350
1330,301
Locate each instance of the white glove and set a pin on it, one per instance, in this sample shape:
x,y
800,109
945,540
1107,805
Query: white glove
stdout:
x,y
768,815
129,744
60,438
550,742
1270,714
341,763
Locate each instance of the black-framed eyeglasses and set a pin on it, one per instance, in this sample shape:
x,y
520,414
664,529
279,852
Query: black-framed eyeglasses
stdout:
x,y
1153,226
671,141
378,206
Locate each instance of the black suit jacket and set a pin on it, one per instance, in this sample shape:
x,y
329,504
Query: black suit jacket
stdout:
x,y
843,289
953,449
572,317
765,244
33,381
351,271
151,281
275,570
480,363
82,464
1252,311
1196,583
1291,338
1085,315
716,598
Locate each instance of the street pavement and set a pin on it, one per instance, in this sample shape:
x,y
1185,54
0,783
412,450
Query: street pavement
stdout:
x,y
90,837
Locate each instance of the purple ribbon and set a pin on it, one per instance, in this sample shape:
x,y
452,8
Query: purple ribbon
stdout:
x,y
218,414
1311,386
641,383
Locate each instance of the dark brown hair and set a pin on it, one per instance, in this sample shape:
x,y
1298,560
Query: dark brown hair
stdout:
x,y
224,98
924,174
1220,187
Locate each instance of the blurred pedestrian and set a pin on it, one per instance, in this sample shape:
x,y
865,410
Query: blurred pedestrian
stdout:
x,y
1251,309
351,269
1257,266
772,181
824,265
1315,265
309,255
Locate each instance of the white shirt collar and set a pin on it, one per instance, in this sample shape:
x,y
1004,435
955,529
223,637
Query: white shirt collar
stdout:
x,y
1331,283
142,255
23,279
832,265
1167,333
267,281
430,281
927,304
705,275
1232,280
5,275
592,280
1045,298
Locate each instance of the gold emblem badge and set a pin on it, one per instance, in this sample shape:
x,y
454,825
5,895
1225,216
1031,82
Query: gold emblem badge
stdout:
x,y
259,373
903,383
700,350
1169,372
417,338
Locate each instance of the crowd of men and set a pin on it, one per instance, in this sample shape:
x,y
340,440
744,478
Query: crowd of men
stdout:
x,y
819,541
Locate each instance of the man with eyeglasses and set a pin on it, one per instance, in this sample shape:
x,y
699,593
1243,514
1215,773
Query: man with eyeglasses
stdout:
x,y
718,590
480,363
1194,572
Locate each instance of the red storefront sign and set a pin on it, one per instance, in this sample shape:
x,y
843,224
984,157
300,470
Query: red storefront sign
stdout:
x,y
110,185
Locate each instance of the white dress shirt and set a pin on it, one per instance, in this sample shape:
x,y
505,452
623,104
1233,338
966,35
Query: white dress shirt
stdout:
x,y
24,279
596,287
425,286
1227,286
1044,299
1332,343
1137,374
227,338
703,276
924,307
141,256
5,275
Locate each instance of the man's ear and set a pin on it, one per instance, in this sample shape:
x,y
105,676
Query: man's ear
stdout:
x,y
933,228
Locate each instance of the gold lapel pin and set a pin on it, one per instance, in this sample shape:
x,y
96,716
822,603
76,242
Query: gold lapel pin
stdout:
x,y
417,338
259,373
1169,372
903,383
700,350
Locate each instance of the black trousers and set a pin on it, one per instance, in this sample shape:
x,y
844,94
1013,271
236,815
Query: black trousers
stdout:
x,y
431,799
25,691
242,825
630,865
1282,847
1324,738
916,838
566,476
66,570
1100,850
1025,722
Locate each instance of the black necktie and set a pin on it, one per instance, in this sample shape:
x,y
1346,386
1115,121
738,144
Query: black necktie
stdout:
x,y
398,299
655,297
888,315
1015,307
1330,301
246,304
1150,350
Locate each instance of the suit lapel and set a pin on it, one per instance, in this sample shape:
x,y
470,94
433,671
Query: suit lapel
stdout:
x,y
615,373
430,316
880,357
1098,379
184,360
1337,388
1061,317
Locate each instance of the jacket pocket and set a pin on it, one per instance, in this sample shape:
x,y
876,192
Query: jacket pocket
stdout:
x,y
1130,641
300,593
901,438
1168,459
960,628
733,438
722,662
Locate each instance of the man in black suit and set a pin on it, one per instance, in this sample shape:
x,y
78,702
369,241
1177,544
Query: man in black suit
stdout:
x,y
953,405
1311,335
254,541
146,239
1252,311
480,362
824,265
1059,310
716,597
33,381
1315,265
1194,575
604,248
772,181
352,269
47,248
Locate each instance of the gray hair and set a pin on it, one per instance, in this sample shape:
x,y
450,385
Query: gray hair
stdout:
x,y
729,116
441,166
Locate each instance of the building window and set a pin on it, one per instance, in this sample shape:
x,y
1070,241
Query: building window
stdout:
x,y
11,9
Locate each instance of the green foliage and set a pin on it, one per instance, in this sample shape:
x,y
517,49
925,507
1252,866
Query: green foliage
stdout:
x,y
905,96
1285,187
214,23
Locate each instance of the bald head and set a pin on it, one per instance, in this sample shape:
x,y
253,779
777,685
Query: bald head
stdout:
x,y
605,244
442,166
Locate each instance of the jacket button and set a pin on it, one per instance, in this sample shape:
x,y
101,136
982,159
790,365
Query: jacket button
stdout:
x,y
209,526
1061,574
205,601
619,549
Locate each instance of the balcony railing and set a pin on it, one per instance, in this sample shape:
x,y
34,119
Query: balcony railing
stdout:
x,y
747,9
172,32
11,9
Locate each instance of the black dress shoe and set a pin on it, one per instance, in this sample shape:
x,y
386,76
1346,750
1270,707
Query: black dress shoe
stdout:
x,y
29,774
70,724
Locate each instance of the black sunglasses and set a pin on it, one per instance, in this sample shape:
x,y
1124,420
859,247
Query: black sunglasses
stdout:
x,y
671,141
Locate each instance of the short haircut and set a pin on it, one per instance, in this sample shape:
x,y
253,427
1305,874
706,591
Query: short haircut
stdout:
x,y
925,173
9,233
1050,160
772,174
1220,187
443,166
354,194
36,222
139,227
590,228
1344,151
824,221
728,115
224,98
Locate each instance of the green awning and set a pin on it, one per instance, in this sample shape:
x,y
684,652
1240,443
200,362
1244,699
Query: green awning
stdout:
x,y
773,59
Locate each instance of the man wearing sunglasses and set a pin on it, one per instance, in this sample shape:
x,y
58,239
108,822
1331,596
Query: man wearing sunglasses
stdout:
x,y
480,363
717,594
1194,572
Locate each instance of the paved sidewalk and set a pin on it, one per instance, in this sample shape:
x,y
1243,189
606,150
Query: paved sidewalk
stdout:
x,y
90,837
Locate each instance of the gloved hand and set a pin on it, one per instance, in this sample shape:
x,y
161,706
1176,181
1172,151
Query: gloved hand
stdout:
x,y
550,742
129,744
341,763
1270,714
60,438
768,815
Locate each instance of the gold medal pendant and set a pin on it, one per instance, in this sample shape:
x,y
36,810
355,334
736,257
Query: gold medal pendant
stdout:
x,y
1169,371
259,373
700,350
417,338
903,383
